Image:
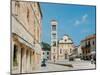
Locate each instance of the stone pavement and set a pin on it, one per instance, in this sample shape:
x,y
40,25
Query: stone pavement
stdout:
x,y
52,67
77,65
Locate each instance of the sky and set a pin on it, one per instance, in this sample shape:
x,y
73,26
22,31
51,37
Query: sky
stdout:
x,y
77,21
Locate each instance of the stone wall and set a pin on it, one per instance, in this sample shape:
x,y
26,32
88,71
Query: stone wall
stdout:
x,y
26,31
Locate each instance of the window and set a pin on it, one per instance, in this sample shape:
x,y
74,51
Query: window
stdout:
x,y
17,5
54,27
54,36
88,51
15,63
33,53
83,51
47,57
93,42
54,57
60,51
88,42
65,40
43,53
47,53
27,14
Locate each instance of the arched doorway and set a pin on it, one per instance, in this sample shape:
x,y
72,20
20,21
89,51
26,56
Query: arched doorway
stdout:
x,y
27,60
15,61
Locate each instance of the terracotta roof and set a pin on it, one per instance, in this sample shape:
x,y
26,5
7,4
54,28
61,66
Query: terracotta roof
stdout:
x,y
89,37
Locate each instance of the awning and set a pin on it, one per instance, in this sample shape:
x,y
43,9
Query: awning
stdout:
x,y
26,43
35,47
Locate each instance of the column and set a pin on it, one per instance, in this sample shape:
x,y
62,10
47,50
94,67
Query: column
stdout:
x,y
23,60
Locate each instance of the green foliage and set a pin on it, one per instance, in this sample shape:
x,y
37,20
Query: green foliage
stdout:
x,y
45,46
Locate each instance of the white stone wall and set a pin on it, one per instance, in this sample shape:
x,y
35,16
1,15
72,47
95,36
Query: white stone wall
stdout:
x,y
79,50
45,55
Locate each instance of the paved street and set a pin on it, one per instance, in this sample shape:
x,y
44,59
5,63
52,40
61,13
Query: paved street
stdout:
x,y
77,65
52,67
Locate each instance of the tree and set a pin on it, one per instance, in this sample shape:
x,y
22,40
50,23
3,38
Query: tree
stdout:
x,y
45,46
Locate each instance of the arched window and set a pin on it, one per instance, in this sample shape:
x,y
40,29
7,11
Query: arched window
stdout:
x,y
15,55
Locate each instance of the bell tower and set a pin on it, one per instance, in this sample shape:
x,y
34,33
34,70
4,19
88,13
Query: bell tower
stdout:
x,y
54,40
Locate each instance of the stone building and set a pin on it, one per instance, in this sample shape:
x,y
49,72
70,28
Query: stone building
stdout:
x,y
75,52
65,47
25,36
79,49
46,54
88,46
46,51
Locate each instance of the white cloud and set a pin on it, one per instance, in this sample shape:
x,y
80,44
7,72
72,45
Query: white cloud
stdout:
x,y
82,20
77,22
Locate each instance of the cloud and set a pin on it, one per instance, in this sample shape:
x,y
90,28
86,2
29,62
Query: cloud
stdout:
x,y
77,22
83,19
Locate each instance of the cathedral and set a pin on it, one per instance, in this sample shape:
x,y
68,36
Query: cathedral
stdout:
x,y
65,48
